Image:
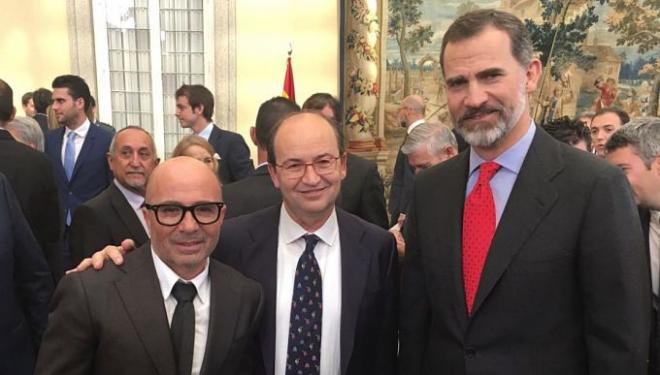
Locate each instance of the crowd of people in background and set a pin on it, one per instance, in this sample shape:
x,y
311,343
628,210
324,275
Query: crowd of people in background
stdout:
x,y
506,246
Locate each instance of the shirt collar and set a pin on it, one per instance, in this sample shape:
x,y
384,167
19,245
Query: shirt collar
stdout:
x,y
655,216
134,199
206,133
81,131
167,277
415,124
292,231
511,159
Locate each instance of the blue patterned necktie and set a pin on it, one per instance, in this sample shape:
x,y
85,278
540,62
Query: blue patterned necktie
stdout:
x,y
304,349
70,154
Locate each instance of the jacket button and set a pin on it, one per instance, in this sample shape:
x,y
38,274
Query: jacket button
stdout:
x,y
470,353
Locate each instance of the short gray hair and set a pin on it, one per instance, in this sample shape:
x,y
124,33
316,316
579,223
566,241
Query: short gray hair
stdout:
x,y
28,131
152,144
433,135
642,134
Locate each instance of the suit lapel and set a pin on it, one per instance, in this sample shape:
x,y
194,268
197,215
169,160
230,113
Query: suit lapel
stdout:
x,y
127,215
143,301
87,146
260,264
221,320
354,271
531,198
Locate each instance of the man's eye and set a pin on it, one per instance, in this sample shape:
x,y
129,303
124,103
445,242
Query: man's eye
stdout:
x,y
292,165
169,210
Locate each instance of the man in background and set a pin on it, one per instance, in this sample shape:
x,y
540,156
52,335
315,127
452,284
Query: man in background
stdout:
x,y
42,99
604,123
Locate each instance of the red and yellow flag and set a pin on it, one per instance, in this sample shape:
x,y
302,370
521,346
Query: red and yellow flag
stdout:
x,y
289,91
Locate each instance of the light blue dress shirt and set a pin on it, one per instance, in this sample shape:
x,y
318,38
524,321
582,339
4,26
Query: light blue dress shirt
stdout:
x,y
502,183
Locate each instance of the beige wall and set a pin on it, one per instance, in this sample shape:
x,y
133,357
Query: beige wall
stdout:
x,y
34,45
263,39
34,49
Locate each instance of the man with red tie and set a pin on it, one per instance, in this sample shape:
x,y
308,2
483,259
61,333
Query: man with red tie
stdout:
x,y
514,263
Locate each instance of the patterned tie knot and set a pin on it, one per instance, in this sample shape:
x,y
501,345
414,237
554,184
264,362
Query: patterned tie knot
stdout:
x,y
487,170
184,292
310,241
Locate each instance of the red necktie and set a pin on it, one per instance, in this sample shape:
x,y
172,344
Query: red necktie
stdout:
x,y
478,230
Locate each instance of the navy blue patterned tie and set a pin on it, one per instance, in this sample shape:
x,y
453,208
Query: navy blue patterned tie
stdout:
x,y
304,350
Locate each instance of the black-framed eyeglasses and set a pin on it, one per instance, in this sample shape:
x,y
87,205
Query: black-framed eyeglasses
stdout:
x,y
296,169
172,214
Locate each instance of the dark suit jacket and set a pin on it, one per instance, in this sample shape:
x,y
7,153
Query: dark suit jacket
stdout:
x,y
361,192
654,352
42,120
235,162
113,321
564,289
25,286
251,194
91,174
369,286
31,176
106,219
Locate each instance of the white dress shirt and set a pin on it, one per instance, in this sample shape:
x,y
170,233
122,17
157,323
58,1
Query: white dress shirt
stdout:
x,y
202,303
81,133
206,132
654,248
290,247
135,201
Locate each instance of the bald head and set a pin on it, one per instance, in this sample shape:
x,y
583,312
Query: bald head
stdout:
x,y
182,173
412,109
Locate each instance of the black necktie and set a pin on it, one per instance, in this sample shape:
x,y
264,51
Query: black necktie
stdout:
x,y
183,326
304,349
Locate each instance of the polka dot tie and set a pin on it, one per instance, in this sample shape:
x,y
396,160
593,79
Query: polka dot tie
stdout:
x,y
304,349
478,230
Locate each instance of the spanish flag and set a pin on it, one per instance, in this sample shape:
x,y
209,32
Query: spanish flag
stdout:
x,y
288,91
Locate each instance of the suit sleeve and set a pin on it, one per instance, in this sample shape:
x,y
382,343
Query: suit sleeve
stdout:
x,y
239,162
401,188
415,309
372,199
253,350
614,280
32,278
388,340
68,345
50,222
88,234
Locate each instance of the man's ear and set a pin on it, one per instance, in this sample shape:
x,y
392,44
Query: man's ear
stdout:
x,y
533,74
253,135
272,171
13,113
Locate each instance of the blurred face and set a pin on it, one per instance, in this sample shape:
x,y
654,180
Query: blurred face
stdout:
x,y
602,128
645,182
402,115
486,87
133,159
202,155
421,158
305,139
69,112
29,108
188,116
184,247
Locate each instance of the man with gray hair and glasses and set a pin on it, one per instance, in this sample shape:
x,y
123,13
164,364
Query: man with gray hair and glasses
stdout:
x,y
27,131
635,148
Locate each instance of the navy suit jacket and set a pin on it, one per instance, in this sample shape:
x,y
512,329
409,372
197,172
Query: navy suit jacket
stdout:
x,y
235,162
26,286
91,174
369,267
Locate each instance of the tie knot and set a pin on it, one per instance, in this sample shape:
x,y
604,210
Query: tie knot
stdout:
x,y
310,241
487,170
184,292
71,135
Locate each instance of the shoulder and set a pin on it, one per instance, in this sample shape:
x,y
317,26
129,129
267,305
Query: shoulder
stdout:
x,y
236,280
103,135
258,220
353,225
99,202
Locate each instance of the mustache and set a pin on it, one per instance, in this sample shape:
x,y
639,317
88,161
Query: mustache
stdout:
x,y
479,111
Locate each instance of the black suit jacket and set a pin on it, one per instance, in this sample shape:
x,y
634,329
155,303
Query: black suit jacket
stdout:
x,y
369,286
42,120
654,352
251,194
31,176
361,192
564,289
235,162
113,321
91,173
25,286
106,219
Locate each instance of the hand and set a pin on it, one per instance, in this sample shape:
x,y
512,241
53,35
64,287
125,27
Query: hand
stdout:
x,y
401,219
400,242
114,253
